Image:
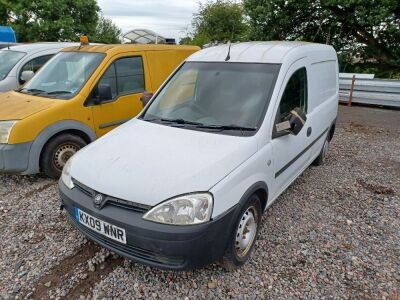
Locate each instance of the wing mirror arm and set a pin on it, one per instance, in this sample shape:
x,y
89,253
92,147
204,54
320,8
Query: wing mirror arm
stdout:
x,y
146,98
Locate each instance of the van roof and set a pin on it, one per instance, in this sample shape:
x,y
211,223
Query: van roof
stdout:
x,y
117,48
35,47
261,52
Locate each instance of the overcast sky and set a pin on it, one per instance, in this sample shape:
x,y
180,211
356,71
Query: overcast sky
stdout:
x,y
168,18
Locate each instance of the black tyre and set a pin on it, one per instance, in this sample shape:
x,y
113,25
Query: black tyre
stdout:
x,y
244,234
57,151
320,160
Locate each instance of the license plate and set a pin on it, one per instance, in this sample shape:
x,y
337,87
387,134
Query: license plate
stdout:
x,y
111,231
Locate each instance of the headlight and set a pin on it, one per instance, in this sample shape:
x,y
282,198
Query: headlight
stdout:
x,y
66,175
5,130
183,210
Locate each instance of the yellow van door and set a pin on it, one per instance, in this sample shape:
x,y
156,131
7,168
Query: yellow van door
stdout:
x,y
115,98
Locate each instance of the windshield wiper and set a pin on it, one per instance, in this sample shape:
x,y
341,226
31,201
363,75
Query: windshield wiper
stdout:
x,y
227,127
181,121
58,92
36,91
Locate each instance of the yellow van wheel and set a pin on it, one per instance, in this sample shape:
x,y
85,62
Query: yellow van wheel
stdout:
x,y
57,151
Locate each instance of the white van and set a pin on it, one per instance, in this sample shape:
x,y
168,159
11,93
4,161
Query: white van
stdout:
x,y
186,182
19,63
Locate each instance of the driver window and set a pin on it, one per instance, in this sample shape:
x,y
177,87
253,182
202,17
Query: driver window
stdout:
x,y
124,76
34,65
130,75
295,95
110,78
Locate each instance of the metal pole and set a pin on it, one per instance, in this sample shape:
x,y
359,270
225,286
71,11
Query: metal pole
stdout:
x,y
351,91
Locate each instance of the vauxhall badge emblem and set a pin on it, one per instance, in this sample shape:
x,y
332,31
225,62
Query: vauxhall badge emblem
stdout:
x,y
98,199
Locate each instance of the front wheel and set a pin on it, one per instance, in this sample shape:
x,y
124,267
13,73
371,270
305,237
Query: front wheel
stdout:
x,y
57,152
244,235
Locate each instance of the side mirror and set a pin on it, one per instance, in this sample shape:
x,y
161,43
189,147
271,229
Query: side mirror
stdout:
x,y
297,119
146,98
26,76
292,125
104,93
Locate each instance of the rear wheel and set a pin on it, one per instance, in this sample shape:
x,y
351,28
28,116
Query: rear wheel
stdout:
x,y
320,160
245,234
58,151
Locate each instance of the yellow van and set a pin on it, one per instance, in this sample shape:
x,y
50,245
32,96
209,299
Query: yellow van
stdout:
x,y
79,95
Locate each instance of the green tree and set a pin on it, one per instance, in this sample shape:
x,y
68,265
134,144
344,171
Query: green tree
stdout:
x,y
106,32
3,13
221,20
50,20
368,28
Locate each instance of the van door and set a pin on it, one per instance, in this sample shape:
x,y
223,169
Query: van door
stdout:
x,y
323,104
116,96
290,153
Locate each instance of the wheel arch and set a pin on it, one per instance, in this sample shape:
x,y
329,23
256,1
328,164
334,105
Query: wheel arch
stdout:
x,y
332,130
68,126
260,189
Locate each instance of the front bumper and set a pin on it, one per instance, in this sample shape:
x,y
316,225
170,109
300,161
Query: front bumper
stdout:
x,y
14,158
159,245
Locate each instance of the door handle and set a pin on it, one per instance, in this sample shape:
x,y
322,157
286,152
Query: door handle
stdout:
x,y
309,130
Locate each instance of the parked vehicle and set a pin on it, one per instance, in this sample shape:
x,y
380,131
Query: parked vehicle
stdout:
x,y
19,63
186,182
79,95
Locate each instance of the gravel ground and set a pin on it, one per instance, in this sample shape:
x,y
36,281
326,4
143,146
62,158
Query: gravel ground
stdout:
x,y
335,233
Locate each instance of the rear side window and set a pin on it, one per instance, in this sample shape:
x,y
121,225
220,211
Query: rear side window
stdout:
x,y
295,94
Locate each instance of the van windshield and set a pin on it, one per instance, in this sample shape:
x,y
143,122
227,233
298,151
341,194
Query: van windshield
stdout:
x,y
229,98
8,59
63,75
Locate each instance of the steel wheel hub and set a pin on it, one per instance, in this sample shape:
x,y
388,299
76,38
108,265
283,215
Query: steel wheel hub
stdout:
x,y
246,232
63,153
325,149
